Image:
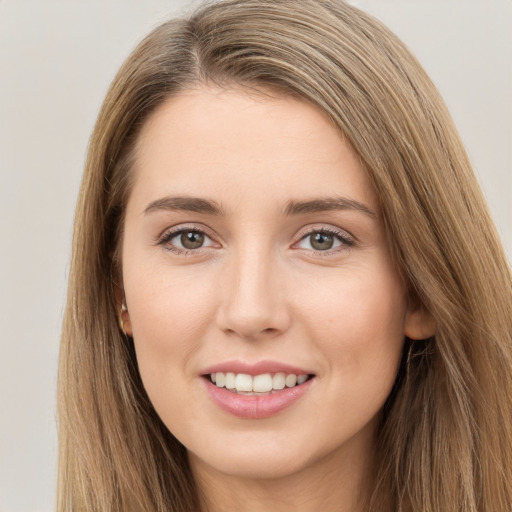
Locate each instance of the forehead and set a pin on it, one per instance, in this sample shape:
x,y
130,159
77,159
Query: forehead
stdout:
x,y
210,140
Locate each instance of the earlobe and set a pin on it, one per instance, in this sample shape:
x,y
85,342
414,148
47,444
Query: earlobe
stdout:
x,y
123,317
419,324
124,320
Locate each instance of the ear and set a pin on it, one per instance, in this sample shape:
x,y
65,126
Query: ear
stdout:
x,y
419,323
123,314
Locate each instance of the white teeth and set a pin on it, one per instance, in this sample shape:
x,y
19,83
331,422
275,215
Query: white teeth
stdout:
x,y
279,381
264,383
220,379
291,380
243,382
301,379
230,381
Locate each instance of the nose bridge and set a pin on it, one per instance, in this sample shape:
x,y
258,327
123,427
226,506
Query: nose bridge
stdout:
x,y
253,301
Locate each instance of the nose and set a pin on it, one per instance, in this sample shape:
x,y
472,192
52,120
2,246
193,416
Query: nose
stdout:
x,y
253,297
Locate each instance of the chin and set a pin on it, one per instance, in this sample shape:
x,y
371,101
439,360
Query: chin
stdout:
x,y
269,464
263,455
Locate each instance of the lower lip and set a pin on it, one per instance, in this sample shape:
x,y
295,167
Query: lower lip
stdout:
x,y
254,406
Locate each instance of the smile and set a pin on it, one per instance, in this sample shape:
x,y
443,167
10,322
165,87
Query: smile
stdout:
x,y
263,384
256,391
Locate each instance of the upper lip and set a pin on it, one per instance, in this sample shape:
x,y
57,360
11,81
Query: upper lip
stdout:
x,y
255,368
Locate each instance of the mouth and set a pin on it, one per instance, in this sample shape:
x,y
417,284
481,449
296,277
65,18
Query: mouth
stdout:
x,y
257,385
256,391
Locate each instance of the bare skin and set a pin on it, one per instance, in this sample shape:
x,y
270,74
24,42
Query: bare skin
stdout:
x,y
321,486
253,235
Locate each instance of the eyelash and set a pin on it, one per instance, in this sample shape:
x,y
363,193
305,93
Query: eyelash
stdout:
x,y
346,241
167,236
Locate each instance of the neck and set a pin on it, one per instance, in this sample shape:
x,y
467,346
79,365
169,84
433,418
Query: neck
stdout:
x,y
324,485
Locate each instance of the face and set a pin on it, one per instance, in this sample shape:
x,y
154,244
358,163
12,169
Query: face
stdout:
x,y
267,316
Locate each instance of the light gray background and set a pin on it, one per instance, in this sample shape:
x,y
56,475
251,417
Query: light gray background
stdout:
x,y
56,61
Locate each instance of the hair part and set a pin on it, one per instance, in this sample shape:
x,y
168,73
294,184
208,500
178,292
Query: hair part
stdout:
x,y
446,436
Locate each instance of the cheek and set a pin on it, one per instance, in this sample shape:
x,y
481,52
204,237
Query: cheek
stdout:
x,y
170,313
164,302
360,302
358,323
362,339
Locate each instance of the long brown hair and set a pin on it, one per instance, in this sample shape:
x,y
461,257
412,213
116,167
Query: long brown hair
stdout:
x,y
445,441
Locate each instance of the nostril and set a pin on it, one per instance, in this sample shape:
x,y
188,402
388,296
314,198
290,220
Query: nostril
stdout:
x,y
253,334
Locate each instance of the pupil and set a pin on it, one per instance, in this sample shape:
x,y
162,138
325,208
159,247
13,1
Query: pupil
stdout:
x,y
192,239
322,241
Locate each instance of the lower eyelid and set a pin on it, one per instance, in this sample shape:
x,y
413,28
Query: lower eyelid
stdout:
x,y
342,238
165,240
337,243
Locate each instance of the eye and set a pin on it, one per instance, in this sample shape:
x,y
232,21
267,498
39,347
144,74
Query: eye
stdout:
x,y
185,240
324,240
189,239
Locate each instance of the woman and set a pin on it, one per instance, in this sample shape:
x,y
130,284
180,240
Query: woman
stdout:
x,y
286,291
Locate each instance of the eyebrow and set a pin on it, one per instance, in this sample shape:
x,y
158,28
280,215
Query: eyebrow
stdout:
x,y
328,204
189,204
200,205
